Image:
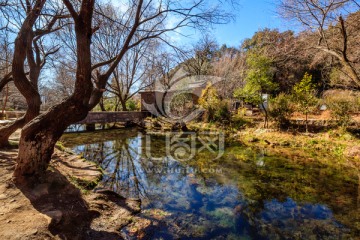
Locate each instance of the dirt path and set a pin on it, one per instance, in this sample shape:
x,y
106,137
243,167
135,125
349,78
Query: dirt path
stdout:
x,y
18,218
55,208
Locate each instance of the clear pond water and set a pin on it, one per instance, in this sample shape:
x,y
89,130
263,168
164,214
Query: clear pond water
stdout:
x,y
244,194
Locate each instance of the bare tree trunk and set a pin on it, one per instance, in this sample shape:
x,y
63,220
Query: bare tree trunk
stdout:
x,y
344,59
6,131
33,110
101,104
123,105
350,71
6,79
33,101
39,137
23,43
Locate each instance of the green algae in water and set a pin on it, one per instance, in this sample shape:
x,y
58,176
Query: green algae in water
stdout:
x,y
224,216
251,194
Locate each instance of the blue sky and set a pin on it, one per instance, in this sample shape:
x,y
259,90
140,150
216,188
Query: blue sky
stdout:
x,y
251,15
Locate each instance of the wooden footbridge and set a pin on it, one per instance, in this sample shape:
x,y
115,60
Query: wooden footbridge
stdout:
x,y
112,117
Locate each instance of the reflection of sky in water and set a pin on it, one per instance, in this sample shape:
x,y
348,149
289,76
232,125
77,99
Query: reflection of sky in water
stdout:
x,y
213,208
290,210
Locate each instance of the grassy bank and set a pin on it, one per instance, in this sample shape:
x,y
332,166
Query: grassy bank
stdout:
x,y
335,146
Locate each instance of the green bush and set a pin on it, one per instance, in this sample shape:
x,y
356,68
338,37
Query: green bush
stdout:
x,y
216,110
222,112
281,108
341,104
132,105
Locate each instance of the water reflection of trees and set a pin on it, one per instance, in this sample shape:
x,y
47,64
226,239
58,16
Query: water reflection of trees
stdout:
x,y
118,159
127,171
262,188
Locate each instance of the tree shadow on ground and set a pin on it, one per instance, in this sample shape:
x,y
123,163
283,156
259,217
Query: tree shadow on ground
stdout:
x,y
71,216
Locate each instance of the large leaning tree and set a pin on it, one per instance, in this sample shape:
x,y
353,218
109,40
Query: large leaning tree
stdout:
x,y
329,20
141,20
29,55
